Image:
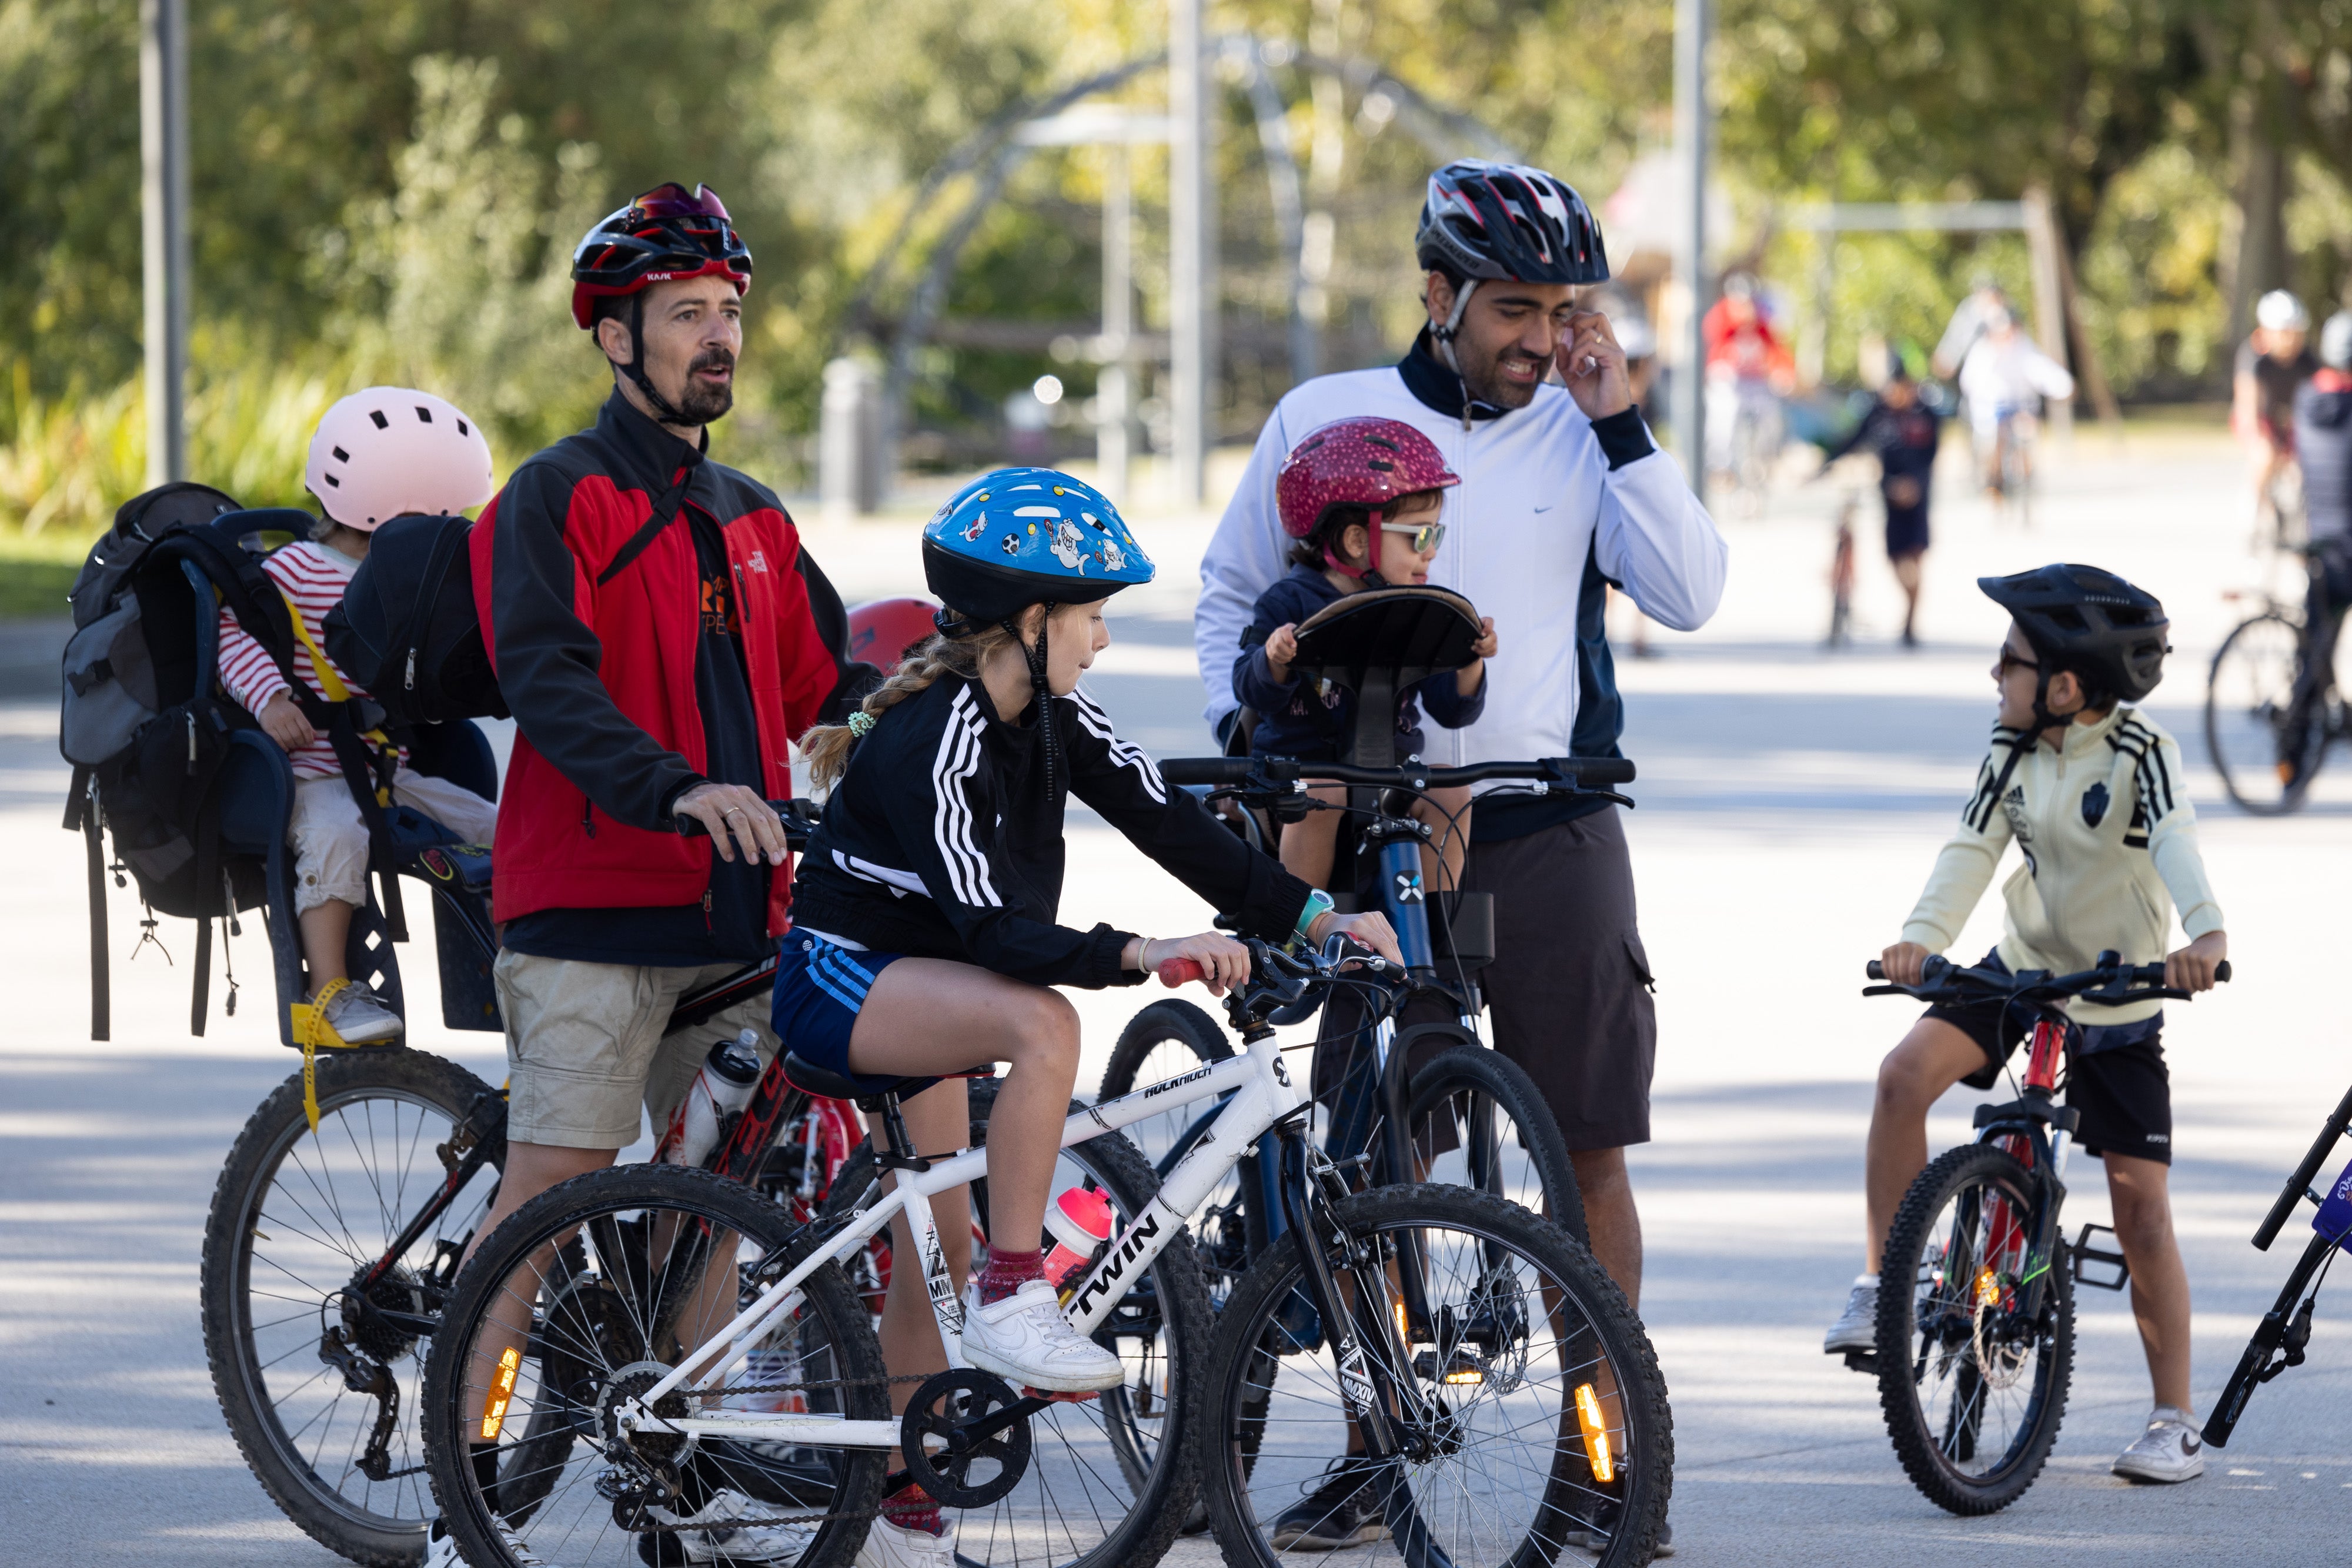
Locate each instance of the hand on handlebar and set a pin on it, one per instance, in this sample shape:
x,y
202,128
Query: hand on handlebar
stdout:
x,y
732,809
1371,929
1903,961
1214,959
2195,967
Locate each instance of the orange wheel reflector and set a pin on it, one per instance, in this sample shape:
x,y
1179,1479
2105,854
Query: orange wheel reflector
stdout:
x,y
494,1406
1596,1434
1988,1288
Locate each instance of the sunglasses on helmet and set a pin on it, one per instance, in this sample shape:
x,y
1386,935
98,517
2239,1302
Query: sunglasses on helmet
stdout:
x,y
1426,537
671,200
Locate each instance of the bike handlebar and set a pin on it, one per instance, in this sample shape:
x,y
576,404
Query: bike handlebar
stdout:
x,y
1245,771
1178,972
1940,979
802,818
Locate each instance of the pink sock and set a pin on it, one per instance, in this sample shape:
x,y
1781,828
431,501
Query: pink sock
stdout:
x,y
1007,1273
911,1508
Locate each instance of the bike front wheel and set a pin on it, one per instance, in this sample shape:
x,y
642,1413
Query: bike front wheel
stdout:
x,y
2248,701
317,1371
1976,1333
1527,1400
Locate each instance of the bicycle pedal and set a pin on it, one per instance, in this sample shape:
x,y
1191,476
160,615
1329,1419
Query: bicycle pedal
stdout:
x,y
2086,1256
1861,1361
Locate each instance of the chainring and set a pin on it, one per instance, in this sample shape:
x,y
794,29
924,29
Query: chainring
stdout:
x,y
936,1440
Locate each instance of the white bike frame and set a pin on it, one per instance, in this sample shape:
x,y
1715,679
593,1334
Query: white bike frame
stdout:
x,y
1263,1096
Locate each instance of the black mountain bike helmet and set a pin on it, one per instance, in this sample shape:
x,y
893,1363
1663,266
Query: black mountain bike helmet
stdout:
x,y
1496,221
2091,622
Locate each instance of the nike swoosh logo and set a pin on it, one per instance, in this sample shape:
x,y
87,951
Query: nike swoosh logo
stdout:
x,y
2189,1445
1546,508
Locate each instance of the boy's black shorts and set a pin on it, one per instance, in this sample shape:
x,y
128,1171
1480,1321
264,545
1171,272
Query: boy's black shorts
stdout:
x,y
2123,1092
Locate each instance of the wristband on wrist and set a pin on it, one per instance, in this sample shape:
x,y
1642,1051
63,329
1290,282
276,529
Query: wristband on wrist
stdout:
x,y
1319,904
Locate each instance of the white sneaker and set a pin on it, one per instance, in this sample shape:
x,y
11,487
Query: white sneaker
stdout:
x,y
358,1017
751,1544
1026,1340
2170,1450
441,1548
1857,1327
888,1545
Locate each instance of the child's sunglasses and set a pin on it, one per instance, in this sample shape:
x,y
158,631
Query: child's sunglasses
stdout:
x,y
1426,537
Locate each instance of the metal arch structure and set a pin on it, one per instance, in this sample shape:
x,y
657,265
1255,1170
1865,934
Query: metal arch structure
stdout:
x,y
995,151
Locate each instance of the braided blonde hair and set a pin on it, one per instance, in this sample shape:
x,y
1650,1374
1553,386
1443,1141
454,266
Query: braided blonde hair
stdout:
x,y
826,748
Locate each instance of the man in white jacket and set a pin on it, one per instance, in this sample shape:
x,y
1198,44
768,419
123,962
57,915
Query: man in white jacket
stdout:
x,y
1562,493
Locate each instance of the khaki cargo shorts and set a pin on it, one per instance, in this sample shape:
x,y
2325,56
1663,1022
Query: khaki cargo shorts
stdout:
x,y
584,1046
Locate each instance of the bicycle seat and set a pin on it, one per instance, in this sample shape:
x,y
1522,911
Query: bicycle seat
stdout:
x,y
867,1090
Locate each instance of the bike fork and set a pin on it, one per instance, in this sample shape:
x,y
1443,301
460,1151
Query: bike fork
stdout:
x,y
1368,1383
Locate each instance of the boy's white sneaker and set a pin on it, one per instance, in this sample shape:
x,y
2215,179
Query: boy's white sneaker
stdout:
x,y
441,1548
745,1545
1026,1340
358,1017
1857,1327
2170,1450
888,1545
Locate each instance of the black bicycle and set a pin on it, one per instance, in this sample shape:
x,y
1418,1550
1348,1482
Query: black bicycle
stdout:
x,y
1976,1313
327,1254
2284,1336
2271,711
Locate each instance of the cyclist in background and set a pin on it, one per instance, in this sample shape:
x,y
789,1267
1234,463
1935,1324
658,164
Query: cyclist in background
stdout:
x,y
2273,364
2004,377
927,934
1748,369
1968,324
1903,429
2323,445
2094,794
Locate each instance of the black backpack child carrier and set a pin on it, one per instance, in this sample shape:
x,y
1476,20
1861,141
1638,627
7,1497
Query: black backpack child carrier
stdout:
x,y
407,631
146,724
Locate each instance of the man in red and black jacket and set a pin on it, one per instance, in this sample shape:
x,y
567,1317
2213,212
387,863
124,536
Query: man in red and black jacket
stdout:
x,y
661,639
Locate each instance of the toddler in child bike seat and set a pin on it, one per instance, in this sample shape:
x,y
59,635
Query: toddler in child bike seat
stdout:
x,y
377,455
1362,498
926,909
2092,792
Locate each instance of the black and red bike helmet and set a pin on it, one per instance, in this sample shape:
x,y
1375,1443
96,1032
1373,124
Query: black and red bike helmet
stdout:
x,y
669,232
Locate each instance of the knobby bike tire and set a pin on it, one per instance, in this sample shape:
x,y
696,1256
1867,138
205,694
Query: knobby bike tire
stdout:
x,y
1451,1086
451,1408
1146,1425
1243,1367
1918,1434
278,1131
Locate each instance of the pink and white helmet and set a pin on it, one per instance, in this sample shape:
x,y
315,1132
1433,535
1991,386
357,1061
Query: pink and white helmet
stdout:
x,y
390,450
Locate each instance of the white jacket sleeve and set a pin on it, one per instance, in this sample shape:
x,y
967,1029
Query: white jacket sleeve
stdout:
x,y
2172,839
1967,863
1654,539
1244,558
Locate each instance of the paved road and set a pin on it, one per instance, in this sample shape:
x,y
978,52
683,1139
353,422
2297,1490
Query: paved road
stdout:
x,y
1790,804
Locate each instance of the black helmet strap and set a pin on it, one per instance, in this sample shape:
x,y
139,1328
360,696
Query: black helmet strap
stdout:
x,y
1036,654
665,411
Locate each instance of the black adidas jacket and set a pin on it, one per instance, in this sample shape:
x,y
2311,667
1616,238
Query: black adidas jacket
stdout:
x,y
941,842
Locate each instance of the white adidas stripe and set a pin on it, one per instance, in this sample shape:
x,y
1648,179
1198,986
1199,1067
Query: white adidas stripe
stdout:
x,y
1125,753
957,763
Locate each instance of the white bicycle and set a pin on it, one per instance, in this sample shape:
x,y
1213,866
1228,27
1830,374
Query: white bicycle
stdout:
x,y
709,1379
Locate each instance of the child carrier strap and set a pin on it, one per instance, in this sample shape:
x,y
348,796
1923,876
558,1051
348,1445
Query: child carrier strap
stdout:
x,y
368,772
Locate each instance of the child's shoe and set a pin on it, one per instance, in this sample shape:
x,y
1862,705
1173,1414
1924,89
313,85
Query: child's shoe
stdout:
x,y
2170,1450
1026,1340
358,1017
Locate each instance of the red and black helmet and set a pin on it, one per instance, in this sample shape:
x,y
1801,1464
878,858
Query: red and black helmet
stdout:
x,y
883,632
669,232
1364,460
1507,220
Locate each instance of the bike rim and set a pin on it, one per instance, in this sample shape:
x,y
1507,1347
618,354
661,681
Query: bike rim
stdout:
x,y
370,1165
2247,704
1479,1493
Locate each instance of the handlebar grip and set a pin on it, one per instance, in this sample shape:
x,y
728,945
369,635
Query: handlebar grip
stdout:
x,y
2221,970
1598,770
799,818
1875,969
1206,770
1177,972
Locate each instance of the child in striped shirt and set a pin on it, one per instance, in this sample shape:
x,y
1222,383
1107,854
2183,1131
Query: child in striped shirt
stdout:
x,y
380,454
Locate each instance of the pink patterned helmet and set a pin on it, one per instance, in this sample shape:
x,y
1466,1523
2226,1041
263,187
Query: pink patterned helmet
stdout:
x,y
1364,460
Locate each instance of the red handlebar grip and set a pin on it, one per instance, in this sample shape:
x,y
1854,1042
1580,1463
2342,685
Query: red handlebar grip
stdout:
x,y
1181,971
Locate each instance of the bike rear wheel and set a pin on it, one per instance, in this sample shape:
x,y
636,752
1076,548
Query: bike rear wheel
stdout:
x,y
1533,1359
1503,1138
664,1256
2248,698
1972,1385
296,1220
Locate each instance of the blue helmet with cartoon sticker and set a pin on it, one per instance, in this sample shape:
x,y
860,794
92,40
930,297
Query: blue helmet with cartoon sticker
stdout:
x,y
1020,536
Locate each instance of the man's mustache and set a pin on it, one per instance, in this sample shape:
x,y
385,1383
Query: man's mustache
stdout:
x,y
712,360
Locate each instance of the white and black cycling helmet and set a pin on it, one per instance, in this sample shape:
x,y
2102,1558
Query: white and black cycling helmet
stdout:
x,y
1498,220
2281,312
2079,618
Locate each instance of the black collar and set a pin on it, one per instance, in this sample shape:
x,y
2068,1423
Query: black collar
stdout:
x,y
1435,386
650,456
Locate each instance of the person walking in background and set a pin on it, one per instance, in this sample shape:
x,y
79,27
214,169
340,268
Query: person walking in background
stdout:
x,y
2004,378
2273,364
2323,446
1903,430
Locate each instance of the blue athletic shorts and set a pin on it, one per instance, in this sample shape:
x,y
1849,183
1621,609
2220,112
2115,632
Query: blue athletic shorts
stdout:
x,y
819,989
